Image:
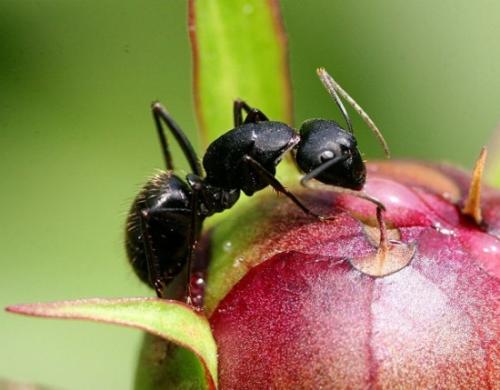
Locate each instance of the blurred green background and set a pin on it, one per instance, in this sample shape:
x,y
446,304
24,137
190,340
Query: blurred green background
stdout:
x,y
77,139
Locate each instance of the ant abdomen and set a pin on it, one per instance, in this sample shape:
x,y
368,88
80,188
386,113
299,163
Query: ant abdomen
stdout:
x,y
159,229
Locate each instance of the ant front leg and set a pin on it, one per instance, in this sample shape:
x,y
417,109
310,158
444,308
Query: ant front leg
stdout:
x,y
254,115
275,183
358,194
318,170
340,190
384,241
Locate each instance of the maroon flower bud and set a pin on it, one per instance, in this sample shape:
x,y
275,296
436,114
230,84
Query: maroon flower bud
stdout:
x,y
302,303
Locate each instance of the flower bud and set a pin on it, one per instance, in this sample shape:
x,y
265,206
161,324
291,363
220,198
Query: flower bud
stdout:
x,y
303,303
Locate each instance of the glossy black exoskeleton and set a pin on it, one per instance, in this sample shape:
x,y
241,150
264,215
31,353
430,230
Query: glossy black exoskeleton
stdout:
x,y
165,220
161,226
329,154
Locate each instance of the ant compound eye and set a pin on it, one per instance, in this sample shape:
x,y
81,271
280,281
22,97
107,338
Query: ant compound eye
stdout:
x,y
326,155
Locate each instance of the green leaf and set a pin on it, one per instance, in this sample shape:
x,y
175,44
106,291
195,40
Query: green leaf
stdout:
x,y
493,162
169,320
164,365
239,51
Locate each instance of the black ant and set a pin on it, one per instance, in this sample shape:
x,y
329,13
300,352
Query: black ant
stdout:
x,y
165,219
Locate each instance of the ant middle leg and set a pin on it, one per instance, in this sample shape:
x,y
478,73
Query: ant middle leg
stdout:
x,y
275,183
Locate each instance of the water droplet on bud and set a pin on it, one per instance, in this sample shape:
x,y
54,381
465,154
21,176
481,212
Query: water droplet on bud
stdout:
x,y
441,229
238,261
227,246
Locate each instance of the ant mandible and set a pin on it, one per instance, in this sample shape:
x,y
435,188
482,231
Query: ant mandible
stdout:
x,y
165,220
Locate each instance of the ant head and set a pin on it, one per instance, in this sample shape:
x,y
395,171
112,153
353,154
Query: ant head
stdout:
x,y
332,153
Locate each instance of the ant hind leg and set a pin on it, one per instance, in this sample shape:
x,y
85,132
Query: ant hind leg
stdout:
x,y
194,300
156,278
161,115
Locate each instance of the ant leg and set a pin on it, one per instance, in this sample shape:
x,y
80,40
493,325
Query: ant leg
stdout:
x,y
266,175
383,244
238,106
318,170
341,190
156,278
357,194
160,115
193,240
254,115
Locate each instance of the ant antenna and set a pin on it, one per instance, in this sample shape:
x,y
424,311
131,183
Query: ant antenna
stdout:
x,y
330,86
334,89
